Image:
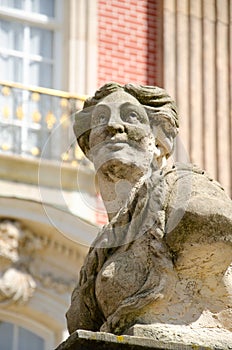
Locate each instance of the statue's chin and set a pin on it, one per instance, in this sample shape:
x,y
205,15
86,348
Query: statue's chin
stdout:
x,y
122,169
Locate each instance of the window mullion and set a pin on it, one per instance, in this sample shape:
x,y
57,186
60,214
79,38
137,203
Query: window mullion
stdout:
x,y
25,94
27,5
15,337
26,53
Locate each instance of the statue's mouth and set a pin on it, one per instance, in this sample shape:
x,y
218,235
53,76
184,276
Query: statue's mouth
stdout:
x,y
117,144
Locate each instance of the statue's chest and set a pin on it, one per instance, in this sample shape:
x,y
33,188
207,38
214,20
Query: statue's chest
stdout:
x,y
121,276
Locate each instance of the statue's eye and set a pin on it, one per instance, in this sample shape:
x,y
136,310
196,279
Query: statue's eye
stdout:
x,y
102,119
132,115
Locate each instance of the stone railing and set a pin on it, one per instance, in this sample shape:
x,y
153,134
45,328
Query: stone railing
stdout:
x,y
37,122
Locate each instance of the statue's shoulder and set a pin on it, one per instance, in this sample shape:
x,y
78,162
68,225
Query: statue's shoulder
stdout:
x,y
191,175
191,193
179,170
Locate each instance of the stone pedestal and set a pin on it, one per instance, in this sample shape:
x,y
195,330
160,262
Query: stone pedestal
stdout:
x,y
86,340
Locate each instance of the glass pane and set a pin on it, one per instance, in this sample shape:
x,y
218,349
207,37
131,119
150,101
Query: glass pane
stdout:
x,y
11,35
8,137
6,336
29,341
6,108
31,143
16,139
45,7
18,4
41,42
41,74
11,68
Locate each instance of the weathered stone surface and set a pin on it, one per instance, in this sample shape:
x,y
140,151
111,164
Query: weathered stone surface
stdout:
x,y
86,340
182,335
165,258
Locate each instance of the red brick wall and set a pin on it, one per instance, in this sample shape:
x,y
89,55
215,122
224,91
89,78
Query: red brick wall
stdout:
x,y
130,41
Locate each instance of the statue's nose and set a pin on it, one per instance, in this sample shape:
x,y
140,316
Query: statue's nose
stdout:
x,y
115,123
116,127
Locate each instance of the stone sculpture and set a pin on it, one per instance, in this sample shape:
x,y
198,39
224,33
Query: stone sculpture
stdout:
x,y
162,266
17,245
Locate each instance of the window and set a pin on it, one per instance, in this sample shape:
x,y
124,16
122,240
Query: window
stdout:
x,y
29,37
13,337
30,50
45,7
47,44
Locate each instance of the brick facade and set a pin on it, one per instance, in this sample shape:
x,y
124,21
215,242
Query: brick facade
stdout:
x,y
130,41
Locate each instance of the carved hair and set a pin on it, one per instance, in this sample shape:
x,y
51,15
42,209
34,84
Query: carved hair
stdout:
x,y
159,106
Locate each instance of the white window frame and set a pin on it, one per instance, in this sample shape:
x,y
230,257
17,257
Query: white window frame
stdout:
x,y
29,324
75,42
44,22
37,20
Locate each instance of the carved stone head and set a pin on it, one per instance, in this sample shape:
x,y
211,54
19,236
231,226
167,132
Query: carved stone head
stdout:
x,y
130,121
16,241
10,234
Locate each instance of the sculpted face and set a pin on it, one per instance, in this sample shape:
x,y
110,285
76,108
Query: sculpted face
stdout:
x,y
10,236
121,139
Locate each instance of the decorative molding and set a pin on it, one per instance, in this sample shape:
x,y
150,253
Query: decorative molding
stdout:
x,y
17,245
49,281
16,286
19,274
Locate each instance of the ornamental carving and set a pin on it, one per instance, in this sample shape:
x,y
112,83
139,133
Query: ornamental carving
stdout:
x,y
17,246
20,267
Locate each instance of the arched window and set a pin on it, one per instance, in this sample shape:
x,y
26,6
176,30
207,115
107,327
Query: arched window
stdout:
x,y
14,337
